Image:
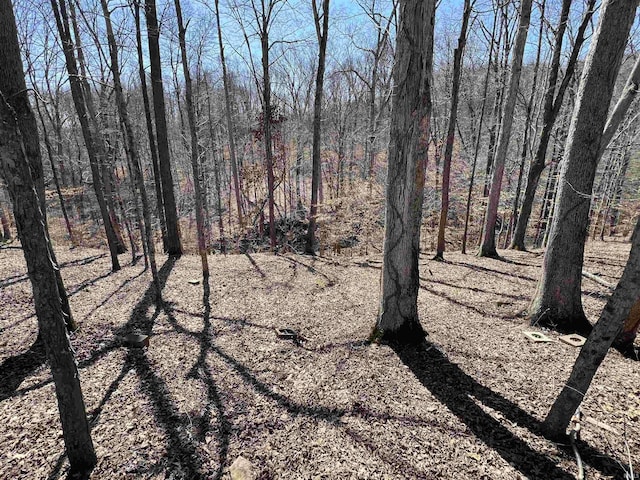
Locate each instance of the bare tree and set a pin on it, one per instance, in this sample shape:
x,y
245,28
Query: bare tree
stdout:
x,y
451,129
228,116
488,247
411,111
41,265
195,148
558,300
173,246
131,145
597,345
553,98
321,21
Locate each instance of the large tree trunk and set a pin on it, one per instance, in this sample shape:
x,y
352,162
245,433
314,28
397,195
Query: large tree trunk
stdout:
x,y
451,129
322,29
411,111
173,246
13,87
488,247
552,105
604,333
558,299
31,226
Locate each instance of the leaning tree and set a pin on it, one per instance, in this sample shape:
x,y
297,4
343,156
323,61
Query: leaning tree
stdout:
x,y
16,143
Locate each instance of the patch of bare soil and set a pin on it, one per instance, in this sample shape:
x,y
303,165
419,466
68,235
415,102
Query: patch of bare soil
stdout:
x,y
217,383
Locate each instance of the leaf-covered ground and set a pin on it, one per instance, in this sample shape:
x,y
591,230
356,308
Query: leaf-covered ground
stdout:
x,y
216,382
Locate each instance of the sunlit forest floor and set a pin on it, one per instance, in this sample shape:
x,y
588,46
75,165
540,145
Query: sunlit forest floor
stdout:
x,y
216,382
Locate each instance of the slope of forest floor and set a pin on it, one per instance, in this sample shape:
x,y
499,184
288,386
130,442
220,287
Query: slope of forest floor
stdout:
x,y
216,383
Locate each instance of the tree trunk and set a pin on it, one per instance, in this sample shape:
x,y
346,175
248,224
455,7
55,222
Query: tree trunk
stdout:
x,y
453,112
230,129
174,247
618,307
478,136
488,247
152,142
266,109
629,92
322,30
551,109
31,226
558,299
527,124
195,148
131,149
411,112
81,105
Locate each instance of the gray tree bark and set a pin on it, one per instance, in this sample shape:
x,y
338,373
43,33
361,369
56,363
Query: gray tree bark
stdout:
x,y
551,109
597,345
195,148
451,129
321,20
488,247
174,246
412,76
558,299
31,225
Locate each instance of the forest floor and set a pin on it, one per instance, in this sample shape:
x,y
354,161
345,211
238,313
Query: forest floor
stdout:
x,y
216,383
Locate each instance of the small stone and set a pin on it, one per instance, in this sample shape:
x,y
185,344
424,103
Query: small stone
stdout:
x,y
241,469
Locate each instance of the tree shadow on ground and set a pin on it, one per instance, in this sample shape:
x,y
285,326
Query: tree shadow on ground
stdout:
x,y
137,318
491,271
255,265
461,393
15,369
23,277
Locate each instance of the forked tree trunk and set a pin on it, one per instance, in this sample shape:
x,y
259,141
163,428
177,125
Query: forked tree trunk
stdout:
x,y
411,112
488,247
451,129
31,226
618,307
558,299
174,247
321,20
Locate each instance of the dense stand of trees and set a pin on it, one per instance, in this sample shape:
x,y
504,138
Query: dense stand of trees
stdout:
x,y
253,154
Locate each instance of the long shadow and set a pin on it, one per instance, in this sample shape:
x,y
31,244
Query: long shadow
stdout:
x,y
457,390
255,265
23,277
82,286
476,289
319,412
201,370
15,369
136,319
492,271
477,310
